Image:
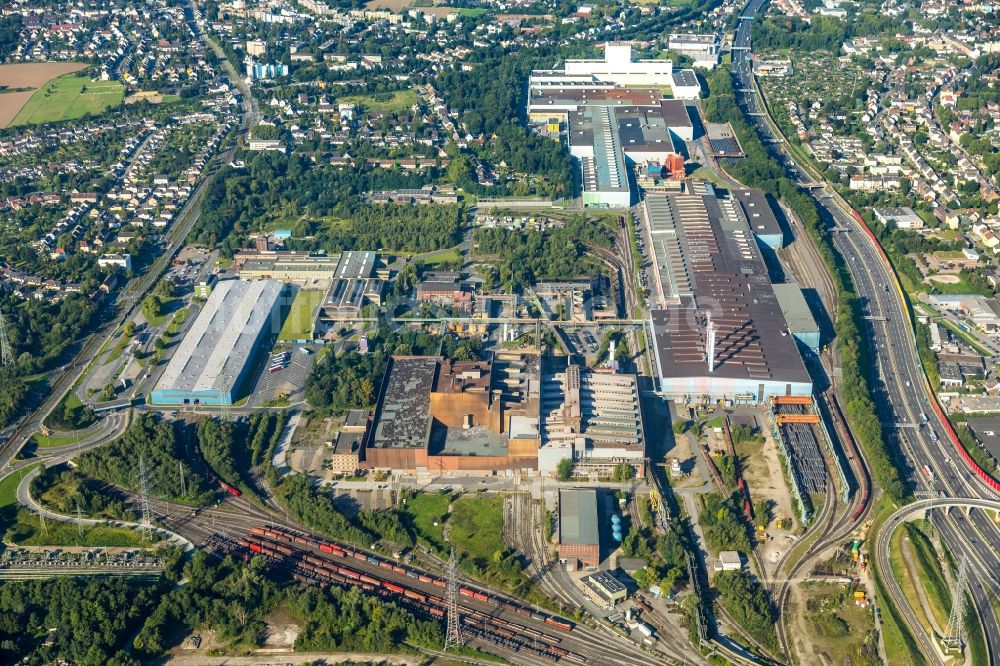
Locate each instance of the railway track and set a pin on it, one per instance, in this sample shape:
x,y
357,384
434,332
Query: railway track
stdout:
x,y
233,519
834,529
525,536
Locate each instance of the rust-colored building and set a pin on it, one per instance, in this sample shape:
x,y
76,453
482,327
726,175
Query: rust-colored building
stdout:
x,y
437,416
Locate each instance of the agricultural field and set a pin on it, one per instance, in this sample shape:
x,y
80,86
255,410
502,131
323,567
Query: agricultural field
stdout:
x,y
69,97
19,82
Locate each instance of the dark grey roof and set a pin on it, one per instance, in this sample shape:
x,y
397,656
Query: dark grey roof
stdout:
x,y
675,113
726,275
685,77
578,517
759,213
987,432
403,415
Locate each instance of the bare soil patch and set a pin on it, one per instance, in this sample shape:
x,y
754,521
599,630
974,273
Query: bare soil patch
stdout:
x,y
30,75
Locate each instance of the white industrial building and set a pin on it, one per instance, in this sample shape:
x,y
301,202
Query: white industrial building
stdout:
x,y
615,70
591,417
216,356
702,49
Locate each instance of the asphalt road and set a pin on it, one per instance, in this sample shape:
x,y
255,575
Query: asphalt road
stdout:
x,y
897,373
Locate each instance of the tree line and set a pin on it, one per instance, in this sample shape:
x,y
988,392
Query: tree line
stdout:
x,y
158,444
759,169
10,34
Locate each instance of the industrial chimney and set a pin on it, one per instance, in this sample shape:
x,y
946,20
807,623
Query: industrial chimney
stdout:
x,y
710,342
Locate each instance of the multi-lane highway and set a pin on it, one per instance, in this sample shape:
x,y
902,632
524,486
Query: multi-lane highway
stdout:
x,y
911,425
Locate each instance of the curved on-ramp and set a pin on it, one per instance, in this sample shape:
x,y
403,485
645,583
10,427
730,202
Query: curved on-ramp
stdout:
x,y
882,543
25,499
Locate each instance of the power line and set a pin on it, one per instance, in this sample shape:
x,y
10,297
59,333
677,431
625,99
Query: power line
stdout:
x,y
147,522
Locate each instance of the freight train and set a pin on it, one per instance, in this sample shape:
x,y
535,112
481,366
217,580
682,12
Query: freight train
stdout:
x,y
348,553
235,492
306,567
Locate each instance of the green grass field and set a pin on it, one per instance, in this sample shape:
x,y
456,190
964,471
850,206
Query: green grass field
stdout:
x,y
424,510
476,527
389,102
449,256
69,97
8,487
28,532
299,322
44,442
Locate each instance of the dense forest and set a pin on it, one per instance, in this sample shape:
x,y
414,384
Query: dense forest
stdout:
x,y
523,257
722,522
90,618
157,443
77,493
39,333
748,602
759,169
93,619
395,227
291,188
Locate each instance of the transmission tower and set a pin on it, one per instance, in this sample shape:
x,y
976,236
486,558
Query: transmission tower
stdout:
x,y
180,467
6,353
453,636
147,521
955,638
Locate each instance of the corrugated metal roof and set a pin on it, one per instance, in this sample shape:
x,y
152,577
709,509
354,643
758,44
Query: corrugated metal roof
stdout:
x,y
578,517
223,336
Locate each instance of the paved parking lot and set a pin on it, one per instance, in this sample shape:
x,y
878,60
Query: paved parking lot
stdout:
x,y
288,381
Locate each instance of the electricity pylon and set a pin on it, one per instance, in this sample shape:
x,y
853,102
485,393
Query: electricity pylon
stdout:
x,y
955,638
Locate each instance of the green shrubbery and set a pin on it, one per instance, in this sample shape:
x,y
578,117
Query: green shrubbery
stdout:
x,y
761,170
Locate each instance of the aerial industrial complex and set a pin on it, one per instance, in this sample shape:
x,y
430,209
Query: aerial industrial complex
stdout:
x,y
719,331
614,116
516,413
217,354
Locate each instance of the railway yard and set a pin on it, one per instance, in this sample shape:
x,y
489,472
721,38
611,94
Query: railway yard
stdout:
x,y
523,634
